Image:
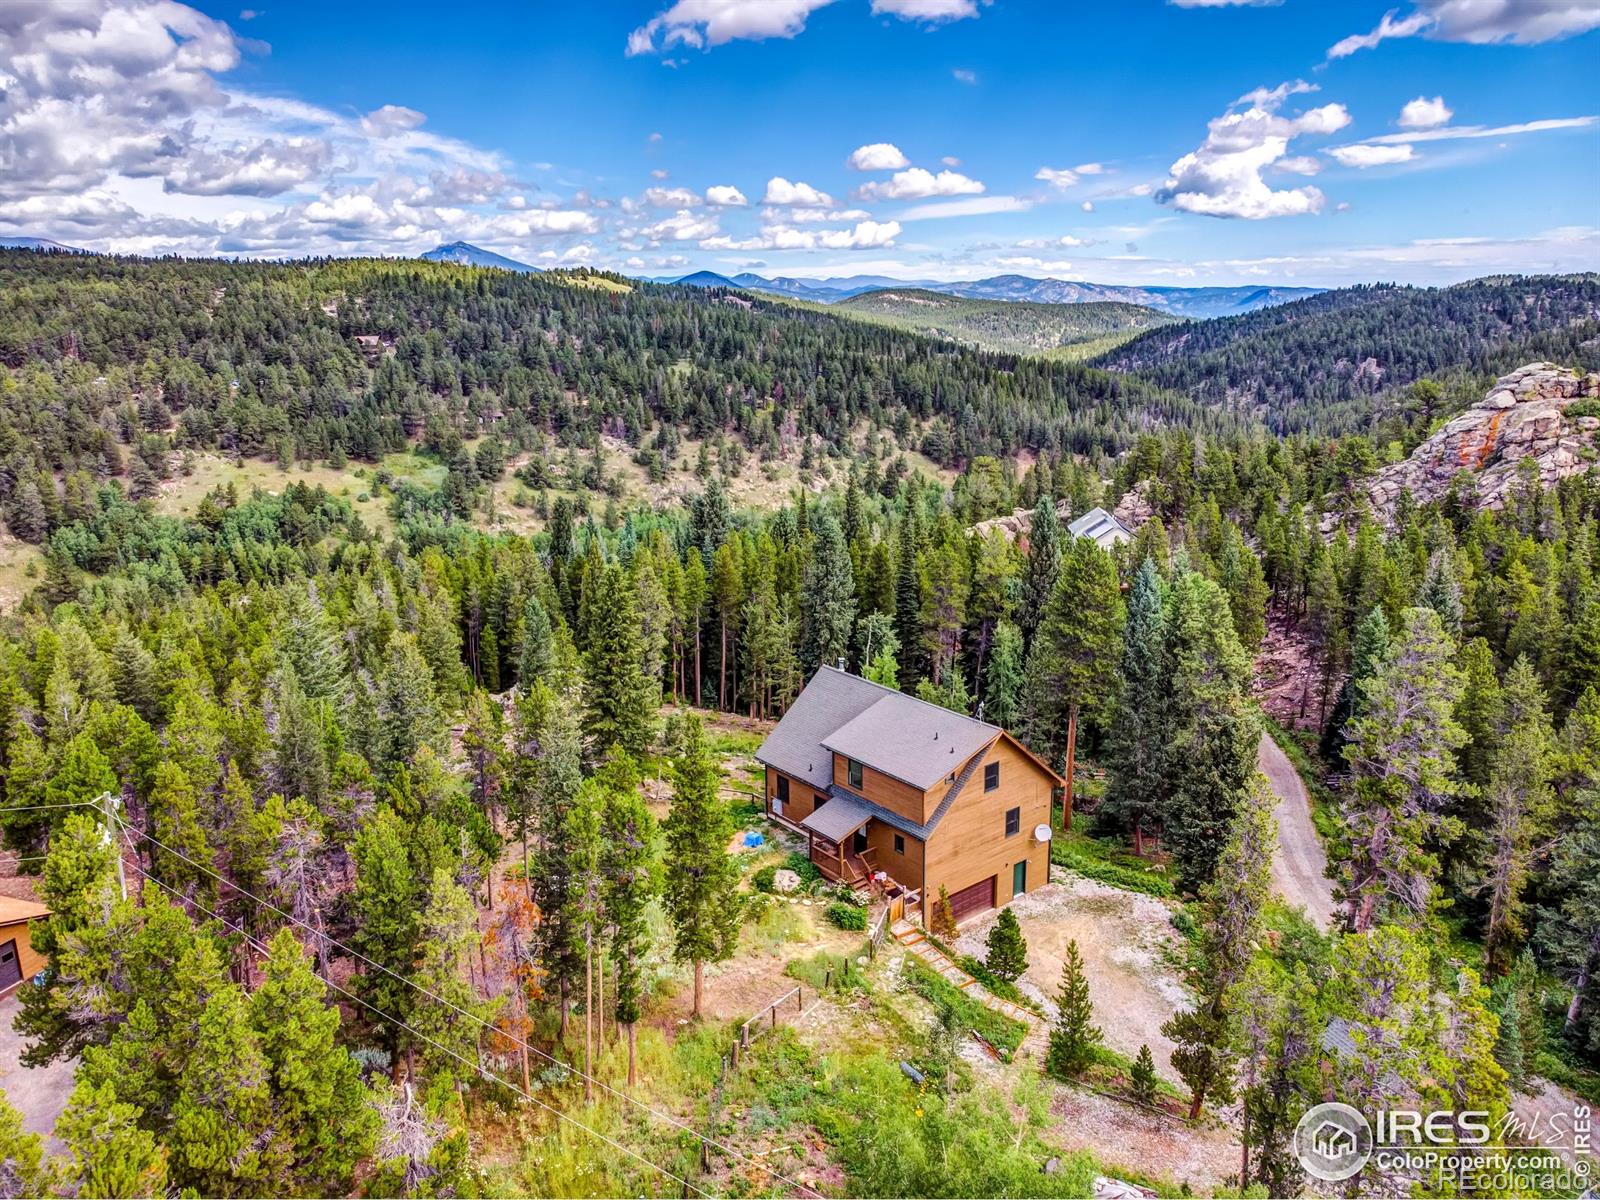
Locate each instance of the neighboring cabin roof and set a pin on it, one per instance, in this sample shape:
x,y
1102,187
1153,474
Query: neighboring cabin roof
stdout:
x,y
1099,525
13,911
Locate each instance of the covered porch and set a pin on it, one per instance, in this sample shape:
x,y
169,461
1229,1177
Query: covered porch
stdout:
x,y
839,848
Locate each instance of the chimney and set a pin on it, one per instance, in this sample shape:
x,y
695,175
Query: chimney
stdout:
x,y
840,663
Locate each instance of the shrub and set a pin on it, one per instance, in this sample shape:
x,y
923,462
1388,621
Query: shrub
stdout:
x,y
800,863
999,1030
822,969
944,916
762,879
850,917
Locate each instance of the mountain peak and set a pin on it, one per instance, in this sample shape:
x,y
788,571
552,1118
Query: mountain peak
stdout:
x,y
465,254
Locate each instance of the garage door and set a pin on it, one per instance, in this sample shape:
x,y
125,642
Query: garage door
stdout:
x,y
10,968
974,899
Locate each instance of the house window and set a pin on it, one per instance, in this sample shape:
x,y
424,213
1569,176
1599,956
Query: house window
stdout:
x,y
991,777
781,796
1013,821
853,773
899,844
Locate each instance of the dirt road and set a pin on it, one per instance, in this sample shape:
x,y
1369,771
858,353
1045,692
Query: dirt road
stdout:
x,y
1300,867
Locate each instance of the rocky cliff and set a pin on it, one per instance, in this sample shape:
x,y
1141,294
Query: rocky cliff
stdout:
x,y
1529,413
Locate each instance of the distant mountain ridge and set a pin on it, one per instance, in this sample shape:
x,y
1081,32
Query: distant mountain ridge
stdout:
x,y
38,243
1195,303
465,254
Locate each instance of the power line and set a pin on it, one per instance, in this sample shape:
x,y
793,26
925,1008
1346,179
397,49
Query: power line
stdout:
x,y
43,807
657,1113
479,1067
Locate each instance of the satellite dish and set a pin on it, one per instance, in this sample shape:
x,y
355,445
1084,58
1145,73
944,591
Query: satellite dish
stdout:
x,y
1041,833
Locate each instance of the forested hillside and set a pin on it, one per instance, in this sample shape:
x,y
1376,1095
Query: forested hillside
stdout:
x,y
1073,331
434,838
1328,362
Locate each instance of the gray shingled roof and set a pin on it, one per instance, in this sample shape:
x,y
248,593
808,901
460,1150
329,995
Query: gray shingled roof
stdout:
x,y
910,739
828,701
840,817
905,824
1099,525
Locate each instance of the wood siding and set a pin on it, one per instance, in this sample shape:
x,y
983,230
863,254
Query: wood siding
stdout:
x,y
802,800
30,960
904,868
970,844
885,790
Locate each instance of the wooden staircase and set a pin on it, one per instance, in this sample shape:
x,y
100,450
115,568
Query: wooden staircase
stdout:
x,y
937,961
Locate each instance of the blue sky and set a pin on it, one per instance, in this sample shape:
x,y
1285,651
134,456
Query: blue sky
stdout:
x,y
1141,142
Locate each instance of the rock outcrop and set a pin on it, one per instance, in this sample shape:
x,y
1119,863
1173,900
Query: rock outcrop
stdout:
x,y
1525,415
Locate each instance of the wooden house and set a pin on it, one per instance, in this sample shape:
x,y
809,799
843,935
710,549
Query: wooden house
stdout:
x,y
896,792
18,959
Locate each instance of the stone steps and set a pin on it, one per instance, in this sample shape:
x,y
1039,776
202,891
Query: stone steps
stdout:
x,y
917,943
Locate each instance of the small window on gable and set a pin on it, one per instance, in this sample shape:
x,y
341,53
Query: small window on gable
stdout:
x,y
783,788
853,773
1013,821
991,777
899,844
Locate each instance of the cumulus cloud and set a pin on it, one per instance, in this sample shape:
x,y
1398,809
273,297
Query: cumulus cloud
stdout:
x,y
267,168
918,183
674,197
1223,177
725,195
682,226
1061,177
701,24
878,156
1300,164
797,195
1423,113
1363,155
977,206
963,75
1481,22
926,10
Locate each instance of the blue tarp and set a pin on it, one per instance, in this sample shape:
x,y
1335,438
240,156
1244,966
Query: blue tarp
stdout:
x,y
753,839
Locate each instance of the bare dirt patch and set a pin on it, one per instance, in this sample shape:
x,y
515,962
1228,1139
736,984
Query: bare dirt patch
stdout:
x,y
1286,679
1128,947
1122,1135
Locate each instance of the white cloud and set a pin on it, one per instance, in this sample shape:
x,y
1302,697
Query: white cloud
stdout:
x,y
1050,243
701,24
682,226
1090,168
724,195
1029,262
1088,206
1423,113
1222,178
963,75
812,216
1363,155
800,195
390,121
878,156
864,235
659,173
977,207
673,197
918,183
1060,177
266,168
926,10
1452,132
950,160
1481,22
1302,164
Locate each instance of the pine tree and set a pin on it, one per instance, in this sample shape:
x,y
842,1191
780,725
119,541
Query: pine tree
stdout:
x,y
631,883
827,598
1072,663
1044,565
1074,1038
1211,736
407,708
320,1105
386,904
701,879
181,854
1400,756
537,651
1002,682
23,1171
1007,949
1519,801
908,597
1136,758
108,1153
1367,656
944,916
1142,1077
619,700
446,1013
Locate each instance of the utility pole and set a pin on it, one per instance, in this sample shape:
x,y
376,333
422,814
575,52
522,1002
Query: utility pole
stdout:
x,y
108,807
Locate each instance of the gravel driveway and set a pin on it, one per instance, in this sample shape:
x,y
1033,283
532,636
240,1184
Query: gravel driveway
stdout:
x,y
1300,867
38,1093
